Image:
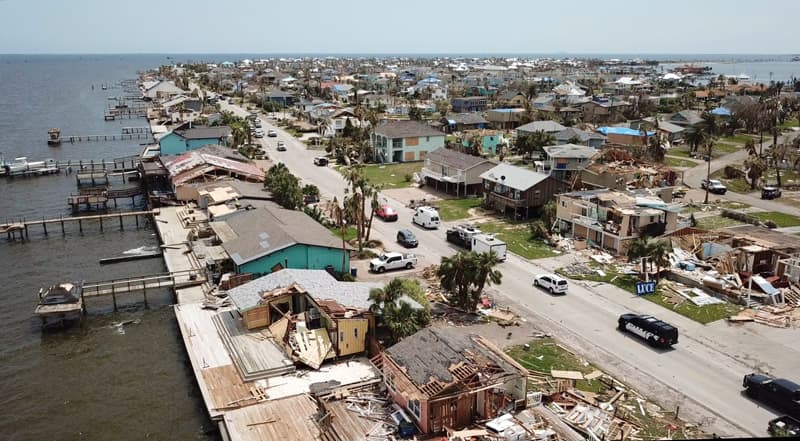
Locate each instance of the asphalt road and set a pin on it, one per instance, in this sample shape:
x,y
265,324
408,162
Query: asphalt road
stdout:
x,y
702,375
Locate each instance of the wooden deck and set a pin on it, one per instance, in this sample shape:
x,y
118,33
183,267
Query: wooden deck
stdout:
x,y
288,419
254,353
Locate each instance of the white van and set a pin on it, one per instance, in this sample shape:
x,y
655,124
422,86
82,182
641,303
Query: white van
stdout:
x,y
426,217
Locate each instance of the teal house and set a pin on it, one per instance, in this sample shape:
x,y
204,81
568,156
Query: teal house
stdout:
x,y
271,238
405,141
184,139
488,140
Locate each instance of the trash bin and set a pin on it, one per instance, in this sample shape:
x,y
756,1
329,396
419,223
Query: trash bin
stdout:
x,y
353,271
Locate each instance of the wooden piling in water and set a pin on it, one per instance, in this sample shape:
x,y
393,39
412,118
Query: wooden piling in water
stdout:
x,y
44,225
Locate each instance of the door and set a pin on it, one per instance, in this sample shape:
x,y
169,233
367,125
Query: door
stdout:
x,y
465,408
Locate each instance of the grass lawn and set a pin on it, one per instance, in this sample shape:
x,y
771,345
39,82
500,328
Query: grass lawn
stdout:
x,y
740,138
455,209
683,152
787,177
720,149
678,162
392,175
716,222
738,185
517,237
544,355
702,314
789,123
781,219
349,234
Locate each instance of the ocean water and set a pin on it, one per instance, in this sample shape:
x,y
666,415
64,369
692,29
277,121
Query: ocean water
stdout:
x,y
122,375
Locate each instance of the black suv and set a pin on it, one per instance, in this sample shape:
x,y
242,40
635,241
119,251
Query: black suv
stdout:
x,y
407,239
779,393
649,328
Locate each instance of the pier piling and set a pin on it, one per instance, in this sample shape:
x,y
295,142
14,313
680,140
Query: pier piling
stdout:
x,y
44,225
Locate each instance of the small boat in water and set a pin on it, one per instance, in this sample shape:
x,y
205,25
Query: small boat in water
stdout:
x,y
61,305
54,137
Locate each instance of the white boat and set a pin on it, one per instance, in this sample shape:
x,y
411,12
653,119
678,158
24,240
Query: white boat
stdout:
x,y
60,305
17,165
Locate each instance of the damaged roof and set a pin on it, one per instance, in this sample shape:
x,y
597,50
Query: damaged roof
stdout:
x,y
317,283
429,355
455,159
207,159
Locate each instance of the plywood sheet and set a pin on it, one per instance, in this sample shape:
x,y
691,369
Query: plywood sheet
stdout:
x,y
569,375
288,419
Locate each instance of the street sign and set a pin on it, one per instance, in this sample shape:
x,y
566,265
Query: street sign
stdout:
x,y
643,288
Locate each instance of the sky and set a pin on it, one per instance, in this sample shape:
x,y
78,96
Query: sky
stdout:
x,y
408,26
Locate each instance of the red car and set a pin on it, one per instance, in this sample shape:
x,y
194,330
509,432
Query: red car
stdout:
x,y
386,213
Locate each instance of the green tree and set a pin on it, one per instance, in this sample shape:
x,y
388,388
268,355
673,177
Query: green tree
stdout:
x,y
465,274
284,186
529,143
415,113
695,138
396,314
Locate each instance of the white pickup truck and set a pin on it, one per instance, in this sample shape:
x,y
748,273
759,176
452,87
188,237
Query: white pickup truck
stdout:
x,y
390,261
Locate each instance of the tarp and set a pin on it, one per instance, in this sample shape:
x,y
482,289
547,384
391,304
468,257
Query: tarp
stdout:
x,y
622,131
721,111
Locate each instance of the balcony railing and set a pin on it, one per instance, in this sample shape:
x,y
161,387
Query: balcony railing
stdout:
x,y
508,200
455,179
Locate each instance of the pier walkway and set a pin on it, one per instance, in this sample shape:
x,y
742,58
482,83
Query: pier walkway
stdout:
x,y
21,227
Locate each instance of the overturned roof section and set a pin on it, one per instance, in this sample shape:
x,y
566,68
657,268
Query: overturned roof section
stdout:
x,y
317,283
209,159
261,232
514,177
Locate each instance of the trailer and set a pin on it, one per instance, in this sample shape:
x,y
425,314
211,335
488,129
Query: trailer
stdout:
x,y
482,243
461,235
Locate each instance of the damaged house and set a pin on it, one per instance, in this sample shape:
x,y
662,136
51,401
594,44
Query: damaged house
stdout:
x,y
611,219
446,379
309,313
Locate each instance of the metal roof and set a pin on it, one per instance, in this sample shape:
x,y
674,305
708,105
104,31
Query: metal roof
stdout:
x,y
570,151
514,177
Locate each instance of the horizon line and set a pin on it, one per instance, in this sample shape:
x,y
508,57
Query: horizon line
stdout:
x,y
306,53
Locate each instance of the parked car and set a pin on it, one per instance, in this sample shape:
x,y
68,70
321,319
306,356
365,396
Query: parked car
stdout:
x,y
781,394
551,282
391,261
407,239
770,192
649,328
714,186
257,123
258,133
386,213
321,161
272,133
281,146
784,426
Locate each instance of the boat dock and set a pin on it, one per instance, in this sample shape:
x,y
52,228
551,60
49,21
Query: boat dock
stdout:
x,y
130,285
21,228
111,137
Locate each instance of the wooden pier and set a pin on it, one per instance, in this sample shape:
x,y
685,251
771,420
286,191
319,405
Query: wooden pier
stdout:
x,y
21,228
111,137
130,285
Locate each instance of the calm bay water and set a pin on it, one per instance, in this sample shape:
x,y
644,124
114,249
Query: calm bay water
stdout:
x,y
104,380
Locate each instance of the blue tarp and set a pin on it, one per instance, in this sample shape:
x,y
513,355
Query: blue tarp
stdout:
x,y
721,111
622,131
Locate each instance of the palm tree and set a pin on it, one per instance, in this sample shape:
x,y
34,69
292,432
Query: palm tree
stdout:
x,y
455,274
401,320
659,251
638,248
485,274
755,167
380,297
695,138
710,127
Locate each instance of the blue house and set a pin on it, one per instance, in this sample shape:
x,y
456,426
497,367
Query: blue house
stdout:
x,y
271,238
184,139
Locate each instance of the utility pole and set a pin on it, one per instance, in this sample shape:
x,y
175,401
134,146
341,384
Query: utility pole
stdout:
x,y
708,172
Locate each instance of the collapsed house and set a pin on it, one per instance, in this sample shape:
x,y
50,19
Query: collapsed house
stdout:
x,y
446,379
616,169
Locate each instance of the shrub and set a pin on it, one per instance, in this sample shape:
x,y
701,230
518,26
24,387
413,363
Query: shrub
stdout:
x,y
408,177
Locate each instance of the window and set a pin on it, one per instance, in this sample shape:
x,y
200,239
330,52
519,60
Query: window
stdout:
x,y
413,407
341,336
564,204
652,219
355,330
427,138
397,143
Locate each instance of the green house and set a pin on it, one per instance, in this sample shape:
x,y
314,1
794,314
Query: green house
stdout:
x,y
271,238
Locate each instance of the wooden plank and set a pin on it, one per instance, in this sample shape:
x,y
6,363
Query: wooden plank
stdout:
x,y
569,375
